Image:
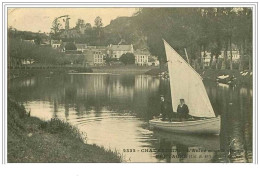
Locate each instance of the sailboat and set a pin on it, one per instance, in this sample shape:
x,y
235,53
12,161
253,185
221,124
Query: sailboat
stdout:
x,y
187,84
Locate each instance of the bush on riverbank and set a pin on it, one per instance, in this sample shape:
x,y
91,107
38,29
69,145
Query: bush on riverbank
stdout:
x,y
32,140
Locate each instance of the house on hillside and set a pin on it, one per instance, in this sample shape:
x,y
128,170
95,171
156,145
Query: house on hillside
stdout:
x,y
94,55
30,41
141,57
235,55
45,42
27,61
153,61
144,58
56,44
116,51
207,56
81,47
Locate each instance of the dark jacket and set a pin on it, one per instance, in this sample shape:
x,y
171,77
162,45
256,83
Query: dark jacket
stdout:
x,y
183,111
163,107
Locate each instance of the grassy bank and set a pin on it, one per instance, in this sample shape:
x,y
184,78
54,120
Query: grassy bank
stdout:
x,y
31,140
122,69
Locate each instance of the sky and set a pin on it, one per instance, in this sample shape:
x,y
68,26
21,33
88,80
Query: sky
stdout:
x,y
40,19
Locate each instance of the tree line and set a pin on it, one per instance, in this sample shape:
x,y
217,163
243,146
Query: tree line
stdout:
x,y
19,50
196,29
83,32
199,30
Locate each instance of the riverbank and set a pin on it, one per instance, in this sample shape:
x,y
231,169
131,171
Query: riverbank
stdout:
x,y
242,77
44,71
122,69
31,140
52,70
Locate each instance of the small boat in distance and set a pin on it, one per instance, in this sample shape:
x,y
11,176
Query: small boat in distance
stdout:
x,y
187,84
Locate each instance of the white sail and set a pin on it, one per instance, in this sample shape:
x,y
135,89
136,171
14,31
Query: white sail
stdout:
x,y
187,84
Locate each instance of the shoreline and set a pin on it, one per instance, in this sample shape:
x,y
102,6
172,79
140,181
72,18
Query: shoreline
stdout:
x,y
123,69
211,74
48,71
31,140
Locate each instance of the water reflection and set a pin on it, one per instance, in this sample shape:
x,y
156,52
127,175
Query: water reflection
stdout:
x,y
114,110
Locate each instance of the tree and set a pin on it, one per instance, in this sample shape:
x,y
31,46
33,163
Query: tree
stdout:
x,y
127,58
21,50
70,46
243,34
98,22
56,27
98,30
198,30
37,40
80,24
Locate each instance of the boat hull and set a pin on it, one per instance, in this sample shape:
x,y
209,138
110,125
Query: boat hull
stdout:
x,y
206,126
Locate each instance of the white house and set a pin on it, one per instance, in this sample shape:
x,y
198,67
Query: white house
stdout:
x,y
81,47
153,61
30,41
235,55
56,44
116,51
98,57
94,55
141,57
27,61
207,56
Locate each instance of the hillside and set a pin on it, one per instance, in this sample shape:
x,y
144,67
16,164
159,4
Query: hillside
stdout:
x,y
125,29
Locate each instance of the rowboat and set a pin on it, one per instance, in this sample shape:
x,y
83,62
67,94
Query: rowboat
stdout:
x,y
205,126
187,84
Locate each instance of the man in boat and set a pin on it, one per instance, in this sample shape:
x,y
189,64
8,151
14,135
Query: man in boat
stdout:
x,y
163,108
182,110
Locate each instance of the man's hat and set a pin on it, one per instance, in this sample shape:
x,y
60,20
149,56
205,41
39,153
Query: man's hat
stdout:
x,y
182,99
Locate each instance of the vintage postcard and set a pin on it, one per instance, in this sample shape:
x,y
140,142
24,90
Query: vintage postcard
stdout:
x,y
130,84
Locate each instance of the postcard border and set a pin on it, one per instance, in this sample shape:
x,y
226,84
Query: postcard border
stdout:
x,y
6,5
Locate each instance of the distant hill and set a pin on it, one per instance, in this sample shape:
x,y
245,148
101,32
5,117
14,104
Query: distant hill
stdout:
x,y
124,30
27,35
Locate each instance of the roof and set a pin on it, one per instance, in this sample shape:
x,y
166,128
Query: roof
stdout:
x,y
85,51
81,46
55,42
121,47
73,52
97,47
141,52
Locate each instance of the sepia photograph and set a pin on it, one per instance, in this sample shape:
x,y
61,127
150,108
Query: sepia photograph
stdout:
x,y
130,84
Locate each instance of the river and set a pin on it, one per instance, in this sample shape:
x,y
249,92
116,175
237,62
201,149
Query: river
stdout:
x,y
114,110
